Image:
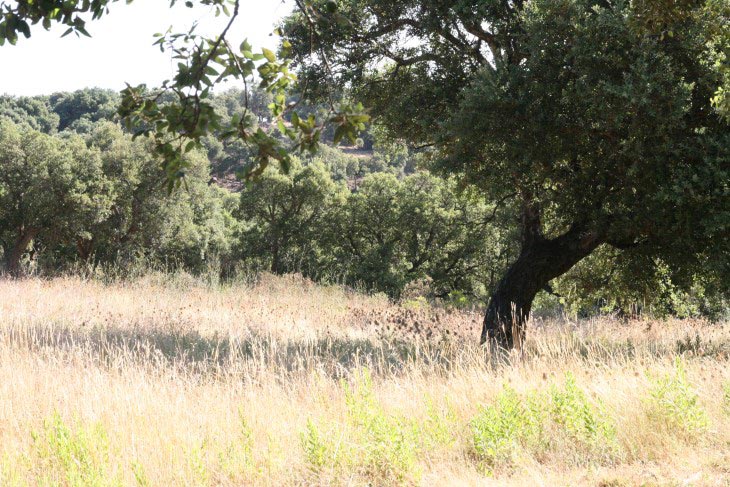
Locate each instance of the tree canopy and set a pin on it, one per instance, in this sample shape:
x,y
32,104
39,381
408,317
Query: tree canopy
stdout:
x,y
597,130
594,119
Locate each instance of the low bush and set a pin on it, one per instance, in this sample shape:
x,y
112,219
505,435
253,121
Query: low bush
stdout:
x,y
674,404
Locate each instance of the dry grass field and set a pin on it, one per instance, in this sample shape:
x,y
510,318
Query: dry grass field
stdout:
x,y
165,381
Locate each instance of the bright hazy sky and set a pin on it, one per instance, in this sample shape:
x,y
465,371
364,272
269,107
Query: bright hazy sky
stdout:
x,y
120,48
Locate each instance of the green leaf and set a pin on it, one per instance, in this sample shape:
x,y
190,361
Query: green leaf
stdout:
x,y
339,134
269,54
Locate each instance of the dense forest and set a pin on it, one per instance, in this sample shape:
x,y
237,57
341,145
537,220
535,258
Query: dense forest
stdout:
x,y
79,193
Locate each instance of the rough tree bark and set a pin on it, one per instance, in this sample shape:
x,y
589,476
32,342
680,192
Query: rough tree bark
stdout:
x,y
12,260
540,261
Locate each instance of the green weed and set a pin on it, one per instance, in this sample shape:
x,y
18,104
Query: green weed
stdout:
x,y
317,451
9,473
583,420
379,446
673,402
140,476
237,458
500,430
540,423
438,428
198,464
73,456
385,444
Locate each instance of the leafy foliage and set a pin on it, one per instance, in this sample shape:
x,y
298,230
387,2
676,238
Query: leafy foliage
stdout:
x,y
83,107
32,112
179,114
514,424
382,236
673,402
101,198
594,122
49,188
285,218
73,456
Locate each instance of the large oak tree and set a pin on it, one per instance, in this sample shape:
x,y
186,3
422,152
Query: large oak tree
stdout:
x,y
593,118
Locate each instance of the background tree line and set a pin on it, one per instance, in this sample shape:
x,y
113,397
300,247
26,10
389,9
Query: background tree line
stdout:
x,y
76,188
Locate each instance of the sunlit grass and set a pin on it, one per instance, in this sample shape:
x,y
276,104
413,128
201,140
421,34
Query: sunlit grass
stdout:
x,y
166,381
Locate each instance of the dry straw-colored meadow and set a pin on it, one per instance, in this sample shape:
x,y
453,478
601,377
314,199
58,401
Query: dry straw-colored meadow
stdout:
x,y
166,381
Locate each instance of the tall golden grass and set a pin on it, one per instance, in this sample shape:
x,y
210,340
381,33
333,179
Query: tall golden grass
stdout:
x,y
166,381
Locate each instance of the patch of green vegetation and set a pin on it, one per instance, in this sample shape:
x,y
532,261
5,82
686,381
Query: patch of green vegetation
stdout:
x,y
499,430
9,473
140,476
726,397
584,421
379,446
384,443
416,304
72,456
541,422
437,430
673,402
318,450
237,459
198,463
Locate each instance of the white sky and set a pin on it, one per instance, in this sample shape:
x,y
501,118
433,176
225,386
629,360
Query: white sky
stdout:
x,y
120,48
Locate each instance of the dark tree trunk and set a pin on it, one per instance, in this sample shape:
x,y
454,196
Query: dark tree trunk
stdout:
x,y
275,264
85,248
540,261
12,261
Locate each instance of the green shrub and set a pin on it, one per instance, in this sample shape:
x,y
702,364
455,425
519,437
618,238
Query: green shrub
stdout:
x,y
317,451
540,423
673,402
385,444
581,419
499,431
379,446
73,456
